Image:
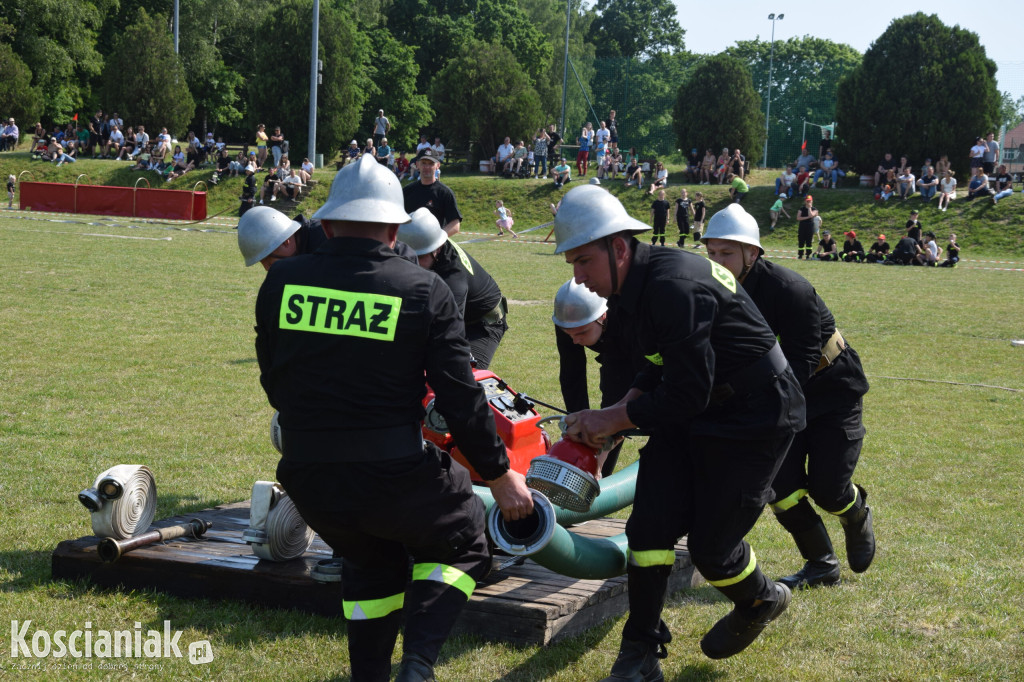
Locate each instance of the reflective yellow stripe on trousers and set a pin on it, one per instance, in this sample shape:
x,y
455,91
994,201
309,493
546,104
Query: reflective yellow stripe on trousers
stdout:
x,y
652,557
725,582
448,575
368,609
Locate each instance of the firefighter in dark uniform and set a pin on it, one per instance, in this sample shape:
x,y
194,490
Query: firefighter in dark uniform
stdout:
x,y
433,194
248,190
721,404
580,318
477,295
265,235
344,339
821,461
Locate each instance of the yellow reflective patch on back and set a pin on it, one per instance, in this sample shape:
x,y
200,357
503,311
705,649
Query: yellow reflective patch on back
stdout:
x,y
723,276
655,359
466,263
345,313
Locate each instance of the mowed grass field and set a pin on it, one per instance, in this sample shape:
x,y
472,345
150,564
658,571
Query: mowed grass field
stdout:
x,y
135,345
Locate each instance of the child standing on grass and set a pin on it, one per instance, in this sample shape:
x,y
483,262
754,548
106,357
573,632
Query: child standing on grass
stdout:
x,y
684,209
659,218
10,190
774,211
699,211
504,221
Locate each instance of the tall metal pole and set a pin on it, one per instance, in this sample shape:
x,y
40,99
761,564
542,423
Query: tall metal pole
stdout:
x,y
768,112
565,70
176,17
313,78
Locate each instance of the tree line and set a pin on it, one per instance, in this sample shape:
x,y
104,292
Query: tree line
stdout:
x,y
478,70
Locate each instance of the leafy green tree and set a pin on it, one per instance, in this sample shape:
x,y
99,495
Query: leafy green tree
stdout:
x,y
1011,112
924,89
218,88
805,77
58,41
278,94
392,74
144,80
18,98
717,107
636,28
483,96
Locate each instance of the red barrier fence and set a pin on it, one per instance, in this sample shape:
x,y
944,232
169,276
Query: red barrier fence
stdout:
x,y
170,204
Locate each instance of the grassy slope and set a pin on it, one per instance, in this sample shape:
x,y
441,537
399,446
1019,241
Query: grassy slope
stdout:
x,y
141,351
982,228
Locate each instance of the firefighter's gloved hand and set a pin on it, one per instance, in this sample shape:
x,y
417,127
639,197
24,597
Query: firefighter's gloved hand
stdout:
x,y
512,496
594,428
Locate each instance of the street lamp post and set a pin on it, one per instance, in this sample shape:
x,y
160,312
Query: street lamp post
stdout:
x,y
771,63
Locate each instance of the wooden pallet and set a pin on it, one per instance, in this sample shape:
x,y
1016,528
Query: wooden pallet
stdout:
x,y
523,604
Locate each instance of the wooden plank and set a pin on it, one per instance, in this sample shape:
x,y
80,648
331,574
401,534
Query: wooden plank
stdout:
x,y
524,603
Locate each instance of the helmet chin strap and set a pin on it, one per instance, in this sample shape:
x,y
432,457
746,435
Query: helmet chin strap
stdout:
x,y
608,242
746,268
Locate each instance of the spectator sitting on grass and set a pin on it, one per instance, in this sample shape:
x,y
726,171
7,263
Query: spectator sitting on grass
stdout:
x,y
157,156
383,152
853,250
145,154
128,147
504,154
928,183
828,171
403,169
369,149
352,153
827,247
9,137
979,185
270,185
906,182
947,189
1004,184
291,186
660,179
634,173
784,183
879,250
223,166
39,135
952,253
115,141
884,166
141,140
518,158
802,184
180,164
306,171
58,154
722,164
930,252
562,174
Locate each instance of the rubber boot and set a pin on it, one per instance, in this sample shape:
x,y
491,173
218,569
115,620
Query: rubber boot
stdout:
x,y
370,645
741,626
860,535
637,662
822,566
415,668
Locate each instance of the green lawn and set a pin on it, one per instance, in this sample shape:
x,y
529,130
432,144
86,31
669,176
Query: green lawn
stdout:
x,y
140,350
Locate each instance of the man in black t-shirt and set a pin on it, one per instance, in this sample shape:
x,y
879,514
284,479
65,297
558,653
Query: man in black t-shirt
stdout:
x,y
433,194
879,250
659,217
553,142
905,252
886,165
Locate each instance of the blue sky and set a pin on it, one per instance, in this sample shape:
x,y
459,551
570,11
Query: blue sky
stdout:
x,y
713,26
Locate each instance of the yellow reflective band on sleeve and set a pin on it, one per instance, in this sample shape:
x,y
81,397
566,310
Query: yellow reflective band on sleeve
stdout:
x,y
368,609
735,579
724,277
789,502
345,313
856,494
466,263
655,359
651,557
449,575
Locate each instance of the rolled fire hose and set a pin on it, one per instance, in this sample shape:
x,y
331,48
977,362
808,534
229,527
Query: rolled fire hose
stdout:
x,y
276,530
544,540
122,501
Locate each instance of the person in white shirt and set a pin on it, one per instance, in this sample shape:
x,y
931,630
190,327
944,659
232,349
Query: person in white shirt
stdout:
x,y
505,152
290,186
305,172
141,140
602,134
114,142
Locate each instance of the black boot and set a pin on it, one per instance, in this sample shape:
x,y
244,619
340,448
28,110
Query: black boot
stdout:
x,y
860,536
822,567
415,668
741,626
637,662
